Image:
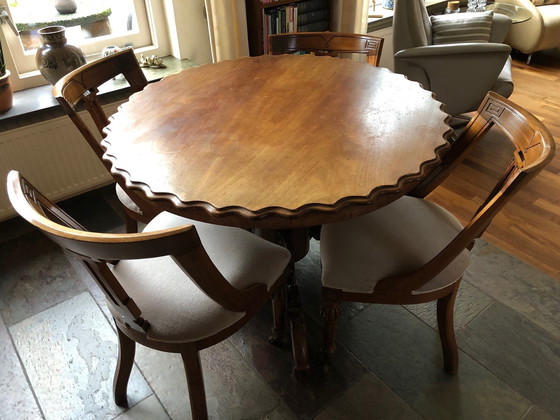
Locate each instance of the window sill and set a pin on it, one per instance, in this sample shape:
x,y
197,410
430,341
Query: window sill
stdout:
x,y
375,24
37,104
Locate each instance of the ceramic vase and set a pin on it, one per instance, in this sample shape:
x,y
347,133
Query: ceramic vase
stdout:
x,y
6,92
65,7
388,4
55,58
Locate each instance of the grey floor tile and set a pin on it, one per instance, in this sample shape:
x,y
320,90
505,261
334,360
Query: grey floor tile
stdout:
x,y
517,285
523,355
148,409
234,390
308,395
469,304
94,290
13,228
537,413
282,412
368,399
406,355
16,397
69,353
479,244
34,275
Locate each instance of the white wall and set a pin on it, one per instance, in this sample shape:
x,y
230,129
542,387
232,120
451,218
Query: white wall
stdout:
x,y
387,51
188,30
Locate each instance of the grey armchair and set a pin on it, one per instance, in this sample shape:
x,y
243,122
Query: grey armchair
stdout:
x,y
460,74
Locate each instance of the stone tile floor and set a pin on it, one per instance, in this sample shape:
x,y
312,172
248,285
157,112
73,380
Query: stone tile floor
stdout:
x,y
58,347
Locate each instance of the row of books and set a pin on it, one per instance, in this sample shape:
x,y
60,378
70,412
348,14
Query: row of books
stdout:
x,y
306,5
306,16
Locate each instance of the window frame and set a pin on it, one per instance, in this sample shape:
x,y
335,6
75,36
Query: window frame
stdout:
x,y
152,31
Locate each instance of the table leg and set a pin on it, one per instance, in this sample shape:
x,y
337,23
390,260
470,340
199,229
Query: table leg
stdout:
x,y
297,241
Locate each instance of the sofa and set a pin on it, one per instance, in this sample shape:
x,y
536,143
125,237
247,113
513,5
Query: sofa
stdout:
x,y
539,33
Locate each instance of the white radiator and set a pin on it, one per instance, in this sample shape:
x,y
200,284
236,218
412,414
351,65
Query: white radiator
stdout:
x,y
54,157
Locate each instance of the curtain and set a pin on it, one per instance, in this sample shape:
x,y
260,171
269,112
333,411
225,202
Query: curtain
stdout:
x,y
227,24
351,16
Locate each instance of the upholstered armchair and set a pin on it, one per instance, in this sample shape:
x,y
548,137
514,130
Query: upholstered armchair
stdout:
x,y
541,31
460,70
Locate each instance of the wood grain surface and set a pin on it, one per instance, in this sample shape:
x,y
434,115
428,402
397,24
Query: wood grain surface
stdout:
x,y
277,141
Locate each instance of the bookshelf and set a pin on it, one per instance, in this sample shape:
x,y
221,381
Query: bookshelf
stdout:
x,y
279,16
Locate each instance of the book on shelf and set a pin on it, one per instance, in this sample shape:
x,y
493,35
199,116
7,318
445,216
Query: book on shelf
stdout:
x,y
313,16
303,16
310,5
279,20
322,25
305,5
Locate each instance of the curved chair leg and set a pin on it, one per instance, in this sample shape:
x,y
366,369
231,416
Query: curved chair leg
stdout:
x,y
445,307
195,382
127,349
330,311
131,224
279,303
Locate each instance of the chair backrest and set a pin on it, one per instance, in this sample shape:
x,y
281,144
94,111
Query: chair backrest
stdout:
x,y
411,25
327,43
534,148
80,88
98,251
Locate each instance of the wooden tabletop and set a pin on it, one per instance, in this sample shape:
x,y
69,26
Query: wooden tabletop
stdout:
x,y
277,141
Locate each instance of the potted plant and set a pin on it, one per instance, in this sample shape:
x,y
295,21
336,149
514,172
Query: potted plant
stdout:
x,y
6,92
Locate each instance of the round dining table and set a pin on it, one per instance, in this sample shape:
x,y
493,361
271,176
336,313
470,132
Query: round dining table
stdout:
x,y
281,143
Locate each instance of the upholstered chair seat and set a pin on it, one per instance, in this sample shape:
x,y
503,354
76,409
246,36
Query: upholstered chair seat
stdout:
x,y
177,309
398,238
126,201
504,83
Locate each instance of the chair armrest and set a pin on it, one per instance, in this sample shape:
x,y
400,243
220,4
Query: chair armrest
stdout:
x,y
501,25
453,49
200,268
459,74
526,36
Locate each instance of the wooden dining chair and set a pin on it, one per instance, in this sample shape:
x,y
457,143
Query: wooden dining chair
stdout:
x,y
327,43
78,90
415,251
179,286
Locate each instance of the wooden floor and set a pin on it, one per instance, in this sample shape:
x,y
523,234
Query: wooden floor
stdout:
x,y
529,225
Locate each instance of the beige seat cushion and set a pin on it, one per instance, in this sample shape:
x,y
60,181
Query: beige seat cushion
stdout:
x,y
126,200
396,239
504,83
178,311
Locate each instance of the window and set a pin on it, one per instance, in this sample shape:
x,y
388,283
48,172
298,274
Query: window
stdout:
x,y
94,24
